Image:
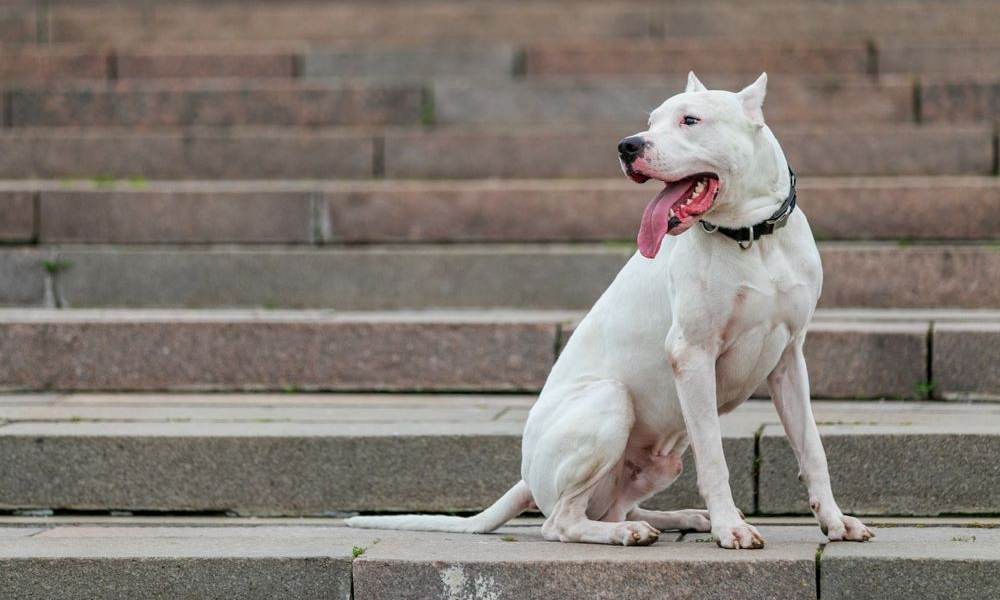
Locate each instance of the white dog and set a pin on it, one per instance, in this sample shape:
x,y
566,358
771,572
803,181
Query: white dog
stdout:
x,y
689,328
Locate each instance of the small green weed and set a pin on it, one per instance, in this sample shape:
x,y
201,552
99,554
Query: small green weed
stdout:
x,y
925,390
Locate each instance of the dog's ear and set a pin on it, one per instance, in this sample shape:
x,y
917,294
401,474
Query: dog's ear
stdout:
x,y
693,84
752,97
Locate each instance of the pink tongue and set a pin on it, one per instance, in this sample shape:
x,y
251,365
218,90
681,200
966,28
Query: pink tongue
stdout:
x,y
656,217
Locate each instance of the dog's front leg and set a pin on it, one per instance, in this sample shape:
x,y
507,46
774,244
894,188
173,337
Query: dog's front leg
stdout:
x,y
694,376
789,386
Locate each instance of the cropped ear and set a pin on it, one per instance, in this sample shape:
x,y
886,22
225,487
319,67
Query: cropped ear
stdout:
x,y
752,97
693,84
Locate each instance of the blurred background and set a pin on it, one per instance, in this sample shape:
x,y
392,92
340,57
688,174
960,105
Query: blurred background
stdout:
x,y
214,213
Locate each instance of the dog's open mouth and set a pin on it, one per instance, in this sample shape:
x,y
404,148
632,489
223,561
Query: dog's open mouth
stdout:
x,y
675,209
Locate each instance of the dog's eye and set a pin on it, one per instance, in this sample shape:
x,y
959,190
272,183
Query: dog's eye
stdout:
x,y
689,120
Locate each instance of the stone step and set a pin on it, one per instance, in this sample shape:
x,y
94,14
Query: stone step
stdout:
x,y
628,102
678,54
262,103
77,563
509,21
323,559
457,152
421,61
948,99
304,212
878,55
852,354
546,276
217,103
307,455
203,154
60,63
550,102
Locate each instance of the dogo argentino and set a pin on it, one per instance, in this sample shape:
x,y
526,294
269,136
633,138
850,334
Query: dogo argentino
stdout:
x,y
689,328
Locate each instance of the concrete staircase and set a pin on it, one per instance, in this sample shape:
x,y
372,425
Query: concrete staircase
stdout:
x,y
263,264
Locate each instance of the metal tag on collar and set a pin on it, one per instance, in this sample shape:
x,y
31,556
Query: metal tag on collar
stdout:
x,y
749,229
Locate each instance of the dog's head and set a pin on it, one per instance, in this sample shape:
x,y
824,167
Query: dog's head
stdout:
x,y
698,143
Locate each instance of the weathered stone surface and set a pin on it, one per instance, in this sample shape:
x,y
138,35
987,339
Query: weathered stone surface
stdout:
x,y
903,276
215,104
892,469
482,211
411,462
966,361
22,277
903,563
284,468
859,359
354,22
902,208
34,63
866,359
18,26
906,208
463,154
202,154
891,151
209,564
916,559
412,62
17,532
964,100
487,566
262,407
197,62
676,55
550,277
346,279
628,102
251,434
109,350
964,57
130,216
824,21
17,216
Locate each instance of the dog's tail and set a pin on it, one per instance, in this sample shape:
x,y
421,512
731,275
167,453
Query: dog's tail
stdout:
x,y
514,502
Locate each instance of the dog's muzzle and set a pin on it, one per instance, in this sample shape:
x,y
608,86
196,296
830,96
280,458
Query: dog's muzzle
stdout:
x,y
631,148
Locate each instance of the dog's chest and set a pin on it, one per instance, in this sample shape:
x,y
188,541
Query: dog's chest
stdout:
x,y
769,309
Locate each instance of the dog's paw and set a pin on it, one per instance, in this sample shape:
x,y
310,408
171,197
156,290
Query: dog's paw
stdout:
x,y
636,533
739,535
846,529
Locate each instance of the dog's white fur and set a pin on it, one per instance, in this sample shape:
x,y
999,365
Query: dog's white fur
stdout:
x,y
673,343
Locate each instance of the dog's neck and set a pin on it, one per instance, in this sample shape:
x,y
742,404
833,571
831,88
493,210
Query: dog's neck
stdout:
x,y
761,192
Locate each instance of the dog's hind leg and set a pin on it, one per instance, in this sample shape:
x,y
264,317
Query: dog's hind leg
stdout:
x,y
690,519
575,464
649,470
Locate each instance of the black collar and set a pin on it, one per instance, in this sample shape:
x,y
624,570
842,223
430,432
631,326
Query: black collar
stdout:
x,y
747,235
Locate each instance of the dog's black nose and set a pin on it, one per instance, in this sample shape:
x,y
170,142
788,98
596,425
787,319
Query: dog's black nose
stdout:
x,y
631,147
